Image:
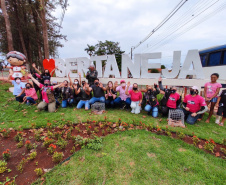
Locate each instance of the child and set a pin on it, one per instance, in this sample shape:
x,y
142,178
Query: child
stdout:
x,y
211,91
31,95
221,104
136,98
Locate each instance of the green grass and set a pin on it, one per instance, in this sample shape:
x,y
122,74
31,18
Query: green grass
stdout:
x,y
140,157
12,119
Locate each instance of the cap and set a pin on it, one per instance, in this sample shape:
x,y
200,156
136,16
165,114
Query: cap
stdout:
x,y
195,88
122,81
91,65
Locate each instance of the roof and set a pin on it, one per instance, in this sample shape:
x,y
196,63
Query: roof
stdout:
x,y
214,48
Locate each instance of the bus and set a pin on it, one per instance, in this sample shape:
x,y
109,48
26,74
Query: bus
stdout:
x,y
213,60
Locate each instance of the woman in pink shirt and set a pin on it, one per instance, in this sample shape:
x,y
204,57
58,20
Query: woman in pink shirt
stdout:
x,y
30,94
123,97
136,98
211,91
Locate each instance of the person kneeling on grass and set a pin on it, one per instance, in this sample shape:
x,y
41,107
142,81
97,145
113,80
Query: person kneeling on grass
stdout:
x,y
48,99
85,93
67,95
193,105
98,92
150,100
30,94
136,98
221,104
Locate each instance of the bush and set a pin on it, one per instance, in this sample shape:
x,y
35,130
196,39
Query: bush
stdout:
x,y
38,171
62,143
6,155
47,142
3,166
28,145
51,149
32,156
18,137
57,157
95,144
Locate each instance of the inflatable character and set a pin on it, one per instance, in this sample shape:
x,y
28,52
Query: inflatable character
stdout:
x,y
17,69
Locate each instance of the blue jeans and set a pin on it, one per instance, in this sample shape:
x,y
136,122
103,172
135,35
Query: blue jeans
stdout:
x,y
109,103
190,119
94,99
30,101
155,110
119,101
81,103
67,102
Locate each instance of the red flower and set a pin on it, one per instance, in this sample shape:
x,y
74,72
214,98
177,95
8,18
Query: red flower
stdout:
x,y
27,142
52,146
194,136
90,127
4,130
212,141
207,142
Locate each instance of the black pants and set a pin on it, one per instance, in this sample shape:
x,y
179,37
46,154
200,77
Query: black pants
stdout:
x,y
20,98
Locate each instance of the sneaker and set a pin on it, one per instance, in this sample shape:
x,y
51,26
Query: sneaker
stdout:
x,y
217,121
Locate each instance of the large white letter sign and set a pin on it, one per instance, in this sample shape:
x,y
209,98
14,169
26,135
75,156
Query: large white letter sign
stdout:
x,y
145,65
175,68
83,65
61,71
98,60
134,67
111,67
71,64
194,59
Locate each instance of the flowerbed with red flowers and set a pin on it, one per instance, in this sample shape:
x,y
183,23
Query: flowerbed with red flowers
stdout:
x,y
28,154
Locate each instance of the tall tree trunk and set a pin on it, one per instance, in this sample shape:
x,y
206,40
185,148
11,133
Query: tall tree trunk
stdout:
x,y
8,26
44,30
18,22
35,17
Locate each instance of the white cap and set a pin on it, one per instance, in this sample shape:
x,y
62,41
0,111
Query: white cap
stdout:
x,y
91,65
195,88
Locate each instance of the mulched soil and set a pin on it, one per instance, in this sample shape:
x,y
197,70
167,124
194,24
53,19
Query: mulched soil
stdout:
x,y
44,160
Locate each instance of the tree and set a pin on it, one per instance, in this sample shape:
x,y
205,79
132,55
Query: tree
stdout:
x,y
90,50
106,48
163,67
8,26
26,18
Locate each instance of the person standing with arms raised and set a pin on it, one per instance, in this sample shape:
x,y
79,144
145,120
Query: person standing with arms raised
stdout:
x,y
91,75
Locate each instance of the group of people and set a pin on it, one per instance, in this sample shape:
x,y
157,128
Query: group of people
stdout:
x,y
124,95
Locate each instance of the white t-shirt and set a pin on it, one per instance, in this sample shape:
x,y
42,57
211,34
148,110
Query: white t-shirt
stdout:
x,y
18,87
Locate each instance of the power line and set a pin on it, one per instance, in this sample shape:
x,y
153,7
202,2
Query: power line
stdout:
x,y
181,3
192,26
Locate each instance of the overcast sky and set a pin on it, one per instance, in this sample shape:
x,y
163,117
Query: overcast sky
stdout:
x,y
129,21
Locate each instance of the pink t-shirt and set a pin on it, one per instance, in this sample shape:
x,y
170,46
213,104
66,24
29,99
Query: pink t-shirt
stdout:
x,y
44,95
211,89
32,93
172,101
122,92
135,96
194,102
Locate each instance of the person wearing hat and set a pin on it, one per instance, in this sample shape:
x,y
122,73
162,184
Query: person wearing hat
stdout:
x,y
123,97
193,105
91,75
48,99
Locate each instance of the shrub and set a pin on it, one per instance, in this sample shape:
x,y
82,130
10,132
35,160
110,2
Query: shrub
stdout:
x,y
158,130
20,166
72,150
51,149
223,150
95,144
169,133
209,145
196,140
58,134
6,155
180,135
57,157
38,171
5,133
79,140
224,142
32,155
18,137
62,143
20,144
3,166
28,145
47,142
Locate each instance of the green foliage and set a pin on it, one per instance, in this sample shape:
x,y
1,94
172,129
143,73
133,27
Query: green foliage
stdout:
x,y
32,155
20,144
154,71
106,48
180,135
79,140
62,143
95,144
3,166
20,166
18,137
38,171
57,157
